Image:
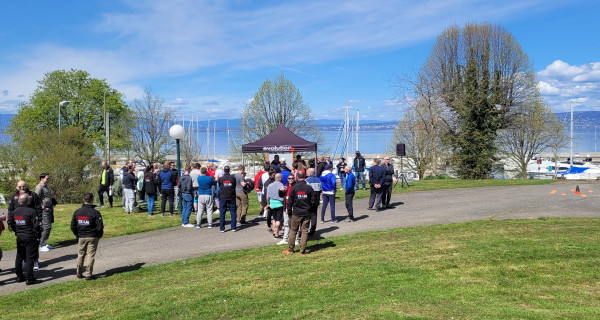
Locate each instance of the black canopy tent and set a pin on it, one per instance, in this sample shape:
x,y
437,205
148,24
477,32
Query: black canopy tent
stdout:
x,y
280,140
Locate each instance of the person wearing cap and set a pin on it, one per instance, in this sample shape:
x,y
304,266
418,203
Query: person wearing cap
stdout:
x,y
227,185
328,184
359,169
47,210
241,196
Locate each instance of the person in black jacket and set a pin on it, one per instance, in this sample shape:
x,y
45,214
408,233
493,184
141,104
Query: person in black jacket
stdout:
x,y
227,199
150,187
24,221
87,226
359,169
33,202
376,176
388,180
300,203
129,185
107,178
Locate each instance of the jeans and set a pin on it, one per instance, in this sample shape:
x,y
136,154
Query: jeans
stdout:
x,y
188,200
46,227
151,198
205,203
360,176
314,213
328,199
349,205
342,180
223,206
129,199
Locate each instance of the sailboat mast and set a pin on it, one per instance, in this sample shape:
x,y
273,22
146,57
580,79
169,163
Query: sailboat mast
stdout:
x,y
357,118
208,140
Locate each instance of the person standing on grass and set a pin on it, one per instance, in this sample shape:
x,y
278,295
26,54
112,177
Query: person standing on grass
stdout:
x,y
349,187
167,185
47,210
275,199
376,176
287,219
315,184
205,202
129,185
302,199
258,187
241,196
151,188
25,223
359,169
341,173
186,192
194,174
328,183
107,178
388,180
227,199
265,203
140,185
88,228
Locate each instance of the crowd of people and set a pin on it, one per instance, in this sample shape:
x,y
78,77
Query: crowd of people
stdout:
x,y
289,199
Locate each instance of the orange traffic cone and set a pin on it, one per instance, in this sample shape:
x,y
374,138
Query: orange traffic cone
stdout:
x,y
577,190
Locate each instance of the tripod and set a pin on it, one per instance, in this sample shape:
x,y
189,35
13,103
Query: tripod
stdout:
x,y
402,177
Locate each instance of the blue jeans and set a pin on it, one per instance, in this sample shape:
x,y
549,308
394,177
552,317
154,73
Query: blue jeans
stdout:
x,y
360,176
188,199
328,198
151,198
223,205
342,180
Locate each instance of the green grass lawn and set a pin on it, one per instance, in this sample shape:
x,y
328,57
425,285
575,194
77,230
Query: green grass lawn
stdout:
x,y
517,269
117,223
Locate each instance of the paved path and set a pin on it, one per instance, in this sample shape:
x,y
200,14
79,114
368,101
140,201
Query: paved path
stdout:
x,y
132,252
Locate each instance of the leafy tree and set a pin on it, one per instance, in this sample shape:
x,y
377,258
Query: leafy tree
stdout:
x,y
150,128
67,157
482,77
277,102
86,96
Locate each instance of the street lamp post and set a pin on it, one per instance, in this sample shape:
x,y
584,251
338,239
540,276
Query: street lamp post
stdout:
x,y
107,127
61,104
177,132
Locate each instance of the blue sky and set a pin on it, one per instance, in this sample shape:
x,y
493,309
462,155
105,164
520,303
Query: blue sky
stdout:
x,y
210,57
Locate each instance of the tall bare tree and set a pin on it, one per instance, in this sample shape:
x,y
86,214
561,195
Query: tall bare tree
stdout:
x,y
558,138
276,102
528,134
411,131
151,121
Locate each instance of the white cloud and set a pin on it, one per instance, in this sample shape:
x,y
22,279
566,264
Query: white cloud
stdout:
x,y
562,84
352,101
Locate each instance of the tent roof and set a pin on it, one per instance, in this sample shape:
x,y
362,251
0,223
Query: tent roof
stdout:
x,y
280,140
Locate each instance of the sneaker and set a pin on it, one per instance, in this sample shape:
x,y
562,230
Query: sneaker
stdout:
x,y
305,252
91,277
322,221
21,278
350,219
100,206
188,225
296,243
32,281
50,247
287,251
234,230
210,226
282,242
44,249
222,230
275,236
198,226
334,221
36,265
79,276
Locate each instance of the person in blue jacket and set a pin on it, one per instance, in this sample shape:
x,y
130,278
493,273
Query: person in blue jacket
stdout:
x,y
376,177
167,187
349,187
328,184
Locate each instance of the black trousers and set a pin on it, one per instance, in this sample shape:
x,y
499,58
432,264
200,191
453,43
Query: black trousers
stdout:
x,y
386,194
349,205
375,198
26,250
101,191
167,194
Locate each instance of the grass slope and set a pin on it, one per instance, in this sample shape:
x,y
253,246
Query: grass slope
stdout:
x,y
528,269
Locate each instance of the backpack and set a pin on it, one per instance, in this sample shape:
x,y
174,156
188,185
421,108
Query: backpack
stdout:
x,y
249,186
